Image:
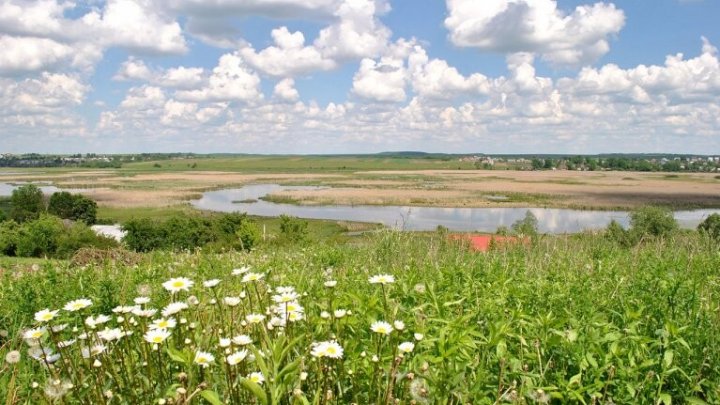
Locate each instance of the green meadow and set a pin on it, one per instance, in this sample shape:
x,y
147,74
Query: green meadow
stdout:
x,y
566,319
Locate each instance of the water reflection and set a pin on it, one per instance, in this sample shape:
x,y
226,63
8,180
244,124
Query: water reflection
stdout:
x,y
6,189
550,220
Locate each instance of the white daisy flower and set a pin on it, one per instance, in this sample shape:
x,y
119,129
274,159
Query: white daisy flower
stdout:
x,y
203,359
163,323
256,377
142,300
249,277
242,340
330,283
178,284
173,308
231,301
77,305
46,315
399,325
211,283
340,313
237,357
255,318
381,327
156,336
406,347
241,270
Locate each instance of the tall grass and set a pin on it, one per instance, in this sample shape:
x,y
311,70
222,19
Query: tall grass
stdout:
x,y
572,319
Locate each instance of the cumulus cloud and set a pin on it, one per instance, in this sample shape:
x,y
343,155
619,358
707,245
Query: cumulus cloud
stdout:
x,y
511,26
289,56
357,33
285,90
40,36
180,77
437,79
380,81
231,80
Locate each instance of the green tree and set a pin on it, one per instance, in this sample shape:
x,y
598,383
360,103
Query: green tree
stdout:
x,y
26,203
293,229
73,206
40,237
528,226
536,163
711,226
652,221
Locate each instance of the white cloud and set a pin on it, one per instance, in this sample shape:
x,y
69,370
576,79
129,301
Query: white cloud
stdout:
x,y
357,33
143,98
285,90
180,77
537,26
134,69
380,81
436,79
231,80
23,54
289,56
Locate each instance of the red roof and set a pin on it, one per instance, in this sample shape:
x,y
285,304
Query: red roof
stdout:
x,y
481,243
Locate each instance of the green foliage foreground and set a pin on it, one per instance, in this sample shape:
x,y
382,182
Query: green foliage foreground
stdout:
x,y
568,320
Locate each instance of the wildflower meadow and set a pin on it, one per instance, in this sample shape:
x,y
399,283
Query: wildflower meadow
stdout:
x,y
396,319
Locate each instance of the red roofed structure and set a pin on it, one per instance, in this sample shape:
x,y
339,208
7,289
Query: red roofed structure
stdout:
x,y
482,243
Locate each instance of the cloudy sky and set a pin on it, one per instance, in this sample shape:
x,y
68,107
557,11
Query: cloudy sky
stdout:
x,y
359,76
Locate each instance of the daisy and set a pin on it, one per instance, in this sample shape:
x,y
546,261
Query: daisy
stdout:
x,y
144,313
285,297
173,308
399,325
98,320
252,277
237,357
203,359
329,349
241,270
163,323
109,335
211,283
255,318
340,313
34,334
178,284
224,342
141,300
406,347
125,309
77,305
330,283
381,327
231,301
242,340
46,315
382,279
256,377
156,335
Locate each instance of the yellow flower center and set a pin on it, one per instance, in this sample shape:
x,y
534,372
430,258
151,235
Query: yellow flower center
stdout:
x,y
157,339
178,284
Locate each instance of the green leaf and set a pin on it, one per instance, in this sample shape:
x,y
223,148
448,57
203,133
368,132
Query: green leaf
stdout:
x,y
591,360
668,358
211,396
177,355
695,401
665,398
256,390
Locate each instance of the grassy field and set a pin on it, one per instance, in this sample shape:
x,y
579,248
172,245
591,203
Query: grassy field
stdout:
x,y
566,320
356,180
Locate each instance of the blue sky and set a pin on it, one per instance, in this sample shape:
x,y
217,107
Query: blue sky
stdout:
x,y
360,76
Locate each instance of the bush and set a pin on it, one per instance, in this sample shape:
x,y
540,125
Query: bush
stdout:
x,y
78,236
187,232
248,236
26,203
39,237
711,226
527,226
73,206
293,229
142,235
8,238
652,221
616,233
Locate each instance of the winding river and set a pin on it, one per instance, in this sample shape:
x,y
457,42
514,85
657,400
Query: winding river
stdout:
x,y
550,220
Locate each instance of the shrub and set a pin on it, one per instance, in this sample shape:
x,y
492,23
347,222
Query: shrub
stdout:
x,y
73,206
26,203
8,237
616,233
711,226
652,221
293,229
143,235
248,236
39,237
78,236
528,226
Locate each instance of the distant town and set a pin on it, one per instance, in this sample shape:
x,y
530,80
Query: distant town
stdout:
x,y
617,162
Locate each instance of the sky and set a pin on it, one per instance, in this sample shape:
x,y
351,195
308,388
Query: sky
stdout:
x,y
360,76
